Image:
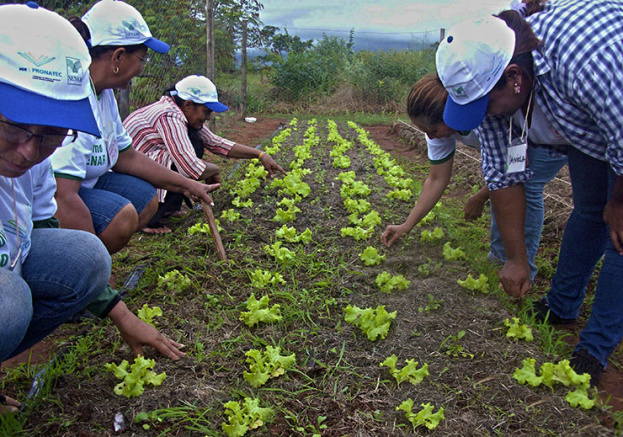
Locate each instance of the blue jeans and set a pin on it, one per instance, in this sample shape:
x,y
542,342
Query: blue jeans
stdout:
x,y
585,241
64,272
545,168
111,193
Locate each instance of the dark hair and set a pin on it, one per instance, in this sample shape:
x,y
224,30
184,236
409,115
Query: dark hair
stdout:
x,y
427,100
525,42
98,51
534,6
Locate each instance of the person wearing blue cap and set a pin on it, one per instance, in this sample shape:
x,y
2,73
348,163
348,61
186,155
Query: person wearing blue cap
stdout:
x,y
561,69
113,204
173,133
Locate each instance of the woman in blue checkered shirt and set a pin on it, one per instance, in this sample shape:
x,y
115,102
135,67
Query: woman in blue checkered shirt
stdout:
x,y
562,68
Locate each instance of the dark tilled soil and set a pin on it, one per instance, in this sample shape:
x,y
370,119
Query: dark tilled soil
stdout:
x,y
337,373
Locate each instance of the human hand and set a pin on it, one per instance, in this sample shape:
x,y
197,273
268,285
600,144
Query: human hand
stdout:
x,y
392,233
270,165
211,174
474,207
198,190
137,333
613,215
515,278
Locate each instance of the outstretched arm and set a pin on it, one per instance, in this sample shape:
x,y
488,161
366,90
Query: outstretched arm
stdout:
x,y
433,188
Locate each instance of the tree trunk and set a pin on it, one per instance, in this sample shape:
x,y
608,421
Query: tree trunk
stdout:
x,y
210,49
243,68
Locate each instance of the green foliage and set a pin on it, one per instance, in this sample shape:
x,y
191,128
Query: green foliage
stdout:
x,y
147,314
517,331
136,378
281,254
372,322
481,284
561,373
424,417
245,416
453,346
409,373
431,305
371,256
174,281
387,283
357,232
436,235
261,278
267,364
289,234
258,311
452,254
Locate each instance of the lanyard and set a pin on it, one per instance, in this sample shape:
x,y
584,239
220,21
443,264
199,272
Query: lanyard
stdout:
x,y
524,130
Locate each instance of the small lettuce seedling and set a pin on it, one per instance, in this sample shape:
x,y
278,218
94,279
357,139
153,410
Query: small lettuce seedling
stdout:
x,y
387,282
267,364
281,254
259,311
174,281
424,417
481,284
409,373
400,194
230,215
262,278
436,235
452,254
147,314
289,234
203,228
371,256
136,378
244,416
517,331
372,322
562,373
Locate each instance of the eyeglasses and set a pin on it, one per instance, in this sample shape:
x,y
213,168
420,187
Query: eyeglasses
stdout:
x,y
142,59
16,134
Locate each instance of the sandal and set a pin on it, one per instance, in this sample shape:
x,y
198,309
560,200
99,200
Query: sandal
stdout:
x,y
157,229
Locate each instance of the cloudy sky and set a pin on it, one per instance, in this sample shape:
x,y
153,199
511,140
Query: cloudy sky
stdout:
x,y
385,19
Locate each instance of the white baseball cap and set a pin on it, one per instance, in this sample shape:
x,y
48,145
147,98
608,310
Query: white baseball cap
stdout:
x,y
470,61
116,23
199,89
44,70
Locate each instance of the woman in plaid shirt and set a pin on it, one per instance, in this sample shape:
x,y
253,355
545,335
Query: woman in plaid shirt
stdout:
x,y
561,67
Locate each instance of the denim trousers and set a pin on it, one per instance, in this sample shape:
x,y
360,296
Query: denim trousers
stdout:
x,y
585,241
545,168
64,271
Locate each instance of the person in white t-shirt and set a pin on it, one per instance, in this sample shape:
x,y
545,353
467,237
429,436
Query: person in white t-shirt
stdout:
x,y
48,274
425,106
105,186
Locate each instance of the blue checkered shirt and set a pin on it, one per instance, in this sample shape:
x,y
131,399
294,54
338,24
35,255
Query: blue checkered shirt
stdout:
x,y
579,85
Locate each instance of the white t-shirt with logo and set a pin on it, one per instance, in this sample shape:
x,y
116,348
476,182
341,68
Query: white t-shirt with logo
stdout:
x,y
34,200
442,149
89,157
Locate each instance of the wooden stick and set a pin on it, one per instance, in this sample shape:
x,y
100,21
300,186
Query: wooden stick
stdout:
x,y
207,212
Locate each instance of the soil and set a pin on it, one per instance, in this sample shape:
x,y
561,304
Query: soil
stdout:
x,y
337,376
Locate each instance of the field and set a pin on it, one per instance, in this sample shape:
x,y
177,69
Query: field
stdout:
x,y
335,384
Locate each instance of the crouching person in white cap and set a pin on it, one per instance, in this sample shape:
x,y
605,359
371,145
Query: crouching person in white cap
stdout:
x,y
172,132
47,274
113,204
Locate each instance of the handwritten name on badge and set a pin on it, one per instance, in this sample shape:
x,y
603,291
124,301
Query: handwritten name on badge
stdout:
x,y
516,158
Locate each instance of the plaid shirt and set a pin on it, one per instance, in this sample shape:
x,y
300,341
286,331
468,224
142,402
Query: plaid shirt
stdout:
x,y
160,131
579,85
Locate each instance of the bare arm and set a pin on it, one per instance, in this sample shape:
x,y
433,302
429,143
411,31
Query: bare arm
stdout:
x,y
136,164
509,207
475,204
433,189
72,212
246,152
137,333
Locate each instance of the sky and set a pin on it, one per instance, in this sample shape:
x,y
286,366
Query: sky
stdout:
x,y
391,20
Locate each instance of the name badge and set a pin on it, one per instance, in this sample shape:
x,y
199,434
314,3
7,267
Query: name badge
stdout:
x,y
516,156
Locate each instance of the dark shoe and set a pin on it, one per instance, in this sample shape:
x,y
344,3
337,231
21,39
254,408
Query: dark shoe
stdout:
x,y
542,314
583,362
